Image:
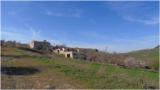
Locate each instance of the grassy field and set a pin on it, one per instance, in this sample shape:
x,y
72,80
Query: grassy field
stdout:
x,y
28,69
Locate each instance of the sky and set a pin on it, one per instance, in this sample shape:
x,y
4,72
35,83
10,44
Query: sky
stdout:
x,y
119,26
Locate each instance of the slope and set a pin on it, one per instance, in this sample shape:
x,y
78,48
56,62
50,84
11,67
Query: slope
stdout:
x,y
151,56
54,71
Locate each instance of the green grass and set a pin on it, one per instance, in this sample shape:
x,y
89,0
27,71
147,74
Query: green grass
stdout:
x,y
84,74
7,50
148,54
119,77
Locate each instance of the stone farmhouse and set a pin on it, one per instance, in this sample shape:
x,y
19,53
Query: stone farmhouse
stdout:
x,y
67,52
40,45
70,53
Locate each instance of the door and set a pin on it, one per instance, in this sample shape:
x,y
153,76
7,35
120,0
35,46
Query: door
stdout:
x,y
68,55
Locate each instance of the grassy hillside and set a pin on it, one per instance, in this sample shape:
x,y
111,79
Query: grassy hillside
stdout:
x,y
148,54
29,69
151,56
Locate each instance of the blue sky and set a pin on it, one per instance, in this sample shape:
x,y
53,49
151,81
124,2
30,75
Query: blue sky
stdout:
x,y
115,26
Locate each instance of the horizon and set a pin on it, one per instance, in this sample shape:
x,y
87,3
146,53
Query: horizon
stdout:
x,y
116,26
104,50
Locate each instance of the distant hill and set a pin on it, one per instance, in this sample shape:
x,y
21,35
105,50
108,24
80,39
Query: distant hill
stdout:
x,y
151,56
157,46
146,54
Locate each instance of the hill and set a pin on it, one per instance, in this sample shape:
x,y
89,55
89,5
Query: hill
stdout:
x,y
27,68
151,56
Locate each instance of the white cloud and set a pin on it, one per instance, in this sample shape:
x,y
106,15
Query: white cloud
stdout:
x,y
140,12
15,11
35,33
25,35
12,13
94,35
68,13
11,35
51,13
151,21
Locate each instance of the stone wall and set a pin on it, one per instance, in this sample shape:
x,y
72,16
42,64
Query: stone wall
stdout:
x,y
40,45
70,53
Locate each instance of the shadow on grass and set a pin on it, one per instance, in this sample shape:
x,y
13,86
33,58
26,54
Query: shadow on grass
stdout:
x,y
18,70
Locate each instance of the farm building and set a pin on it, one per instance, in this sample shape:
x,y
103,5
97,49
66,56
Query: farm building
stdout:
x,y
70,53
67,52
40,45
